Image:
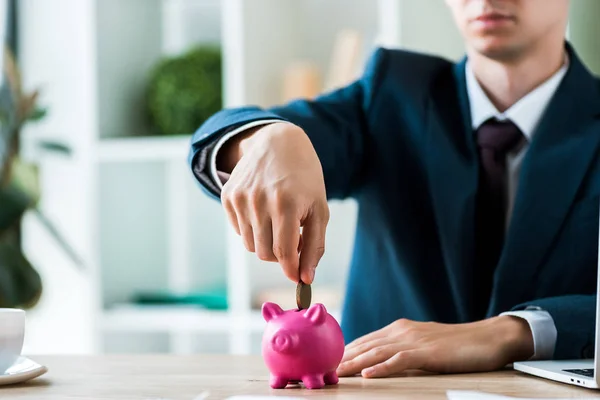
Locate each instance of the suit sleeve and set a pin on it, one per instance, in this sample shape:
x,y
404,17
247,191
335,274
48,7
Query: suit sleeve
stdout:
x,y
575,320
335,122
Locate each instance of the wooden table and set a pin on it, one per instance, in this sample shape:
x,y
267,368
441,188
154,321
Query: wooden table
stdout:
x,y
186,377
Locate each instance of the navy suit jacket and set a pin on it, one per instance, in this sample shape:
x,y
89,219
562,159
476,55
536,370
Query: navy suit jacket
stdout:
x,y
399,141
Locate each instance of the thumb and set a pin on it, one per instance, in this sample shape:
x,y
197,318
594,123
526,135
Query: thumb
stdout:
x,y
313,242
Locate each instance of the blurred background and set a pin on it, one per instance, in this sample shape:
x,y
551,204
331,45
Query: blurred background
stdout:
x,y
107,240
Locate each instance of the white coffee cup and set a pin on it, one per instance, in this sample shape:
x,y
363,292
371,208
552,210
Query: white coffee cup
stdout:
x,y
12,334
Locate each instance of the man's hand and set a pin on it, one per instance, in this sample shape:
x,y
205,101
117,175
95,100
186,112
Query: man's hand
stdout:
x,y
275,188
407,345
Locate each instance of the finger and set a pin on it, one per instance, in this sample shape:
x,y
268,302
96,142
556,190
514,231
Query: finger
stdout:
x,y
399,362
366,360
231,215
263,240
300,244
355,351
380,333
286,235
313,244
247,233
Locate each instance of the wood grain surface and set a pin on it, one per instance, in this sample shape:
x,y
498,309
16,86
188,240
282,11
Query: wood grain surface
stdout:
x,y
171,377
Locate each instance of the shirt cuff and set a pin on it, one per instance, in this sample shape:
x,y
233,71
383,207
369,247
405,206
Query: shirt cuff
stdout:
x,y
219,178
543,331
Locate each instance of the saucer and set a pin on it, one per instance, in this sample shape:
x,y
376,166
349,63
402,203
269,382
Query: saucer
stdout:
x,y
22,370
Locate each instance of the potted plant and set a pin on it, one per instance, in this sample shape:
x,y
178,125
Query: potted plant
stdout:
x,y
20,284
184,90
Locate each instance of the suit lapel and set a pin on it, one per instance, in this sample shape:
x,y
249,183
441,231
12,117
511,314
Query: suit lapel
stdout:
x,y
552,171
453,173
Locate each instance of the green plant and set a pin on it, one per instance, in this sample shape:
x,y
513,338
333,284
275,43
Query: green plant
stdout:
x,y
184,91
20,284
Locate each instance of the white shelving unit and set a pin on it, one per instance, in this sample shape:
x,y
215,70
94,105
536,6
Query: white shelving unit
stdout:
x,y
129,204
133,210
143,149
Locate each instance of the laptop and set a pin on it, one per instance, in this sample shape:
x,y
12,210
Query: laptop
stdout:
x,y
575,372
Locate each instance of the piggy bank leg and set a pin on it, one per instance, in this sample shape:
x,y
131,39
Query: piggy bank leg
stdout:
x,y
278,382
331,378
313,381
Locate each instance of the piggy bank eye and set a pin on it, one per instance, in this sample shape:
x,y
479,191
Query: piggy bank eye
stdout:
x,y
282,342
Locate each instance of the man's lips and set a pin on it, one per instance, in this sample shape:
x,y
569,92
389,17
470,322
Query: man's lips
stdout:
x,y
491,20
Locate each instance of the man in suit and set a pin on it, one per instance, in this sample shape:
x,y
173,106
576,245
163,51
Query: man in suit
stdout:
x,y
477,183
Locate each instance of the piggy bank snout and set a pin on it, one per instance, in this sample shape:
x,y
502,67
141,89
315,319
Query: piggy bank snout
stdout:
x,y
284,342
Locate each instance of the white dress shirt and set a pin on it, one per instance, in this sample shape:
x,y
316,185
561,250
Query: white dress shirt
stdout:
x,y
526,114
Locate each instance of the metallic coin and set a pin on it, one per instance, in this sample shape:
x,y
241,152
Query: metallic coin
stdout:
x,y
303,295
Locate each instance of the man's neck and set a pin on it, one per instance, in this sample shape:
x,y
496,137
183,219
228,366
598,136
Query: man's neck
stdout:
x,y
507,82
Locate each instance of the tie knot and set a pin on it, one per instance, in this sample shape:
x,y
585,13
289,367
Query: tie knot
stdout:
x,y
499,136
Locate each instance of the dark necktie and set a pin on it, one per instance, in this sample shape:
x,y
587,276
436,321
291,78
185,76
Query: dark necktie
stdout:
x,y
495,139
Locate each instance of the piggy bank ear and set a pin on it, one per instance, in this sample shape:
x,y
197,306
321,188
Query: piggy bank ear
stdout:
x,y
270,311
316,314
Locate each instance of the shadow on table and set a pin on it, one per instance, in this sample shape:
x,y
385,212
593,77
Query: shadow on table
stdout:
x,y
41,382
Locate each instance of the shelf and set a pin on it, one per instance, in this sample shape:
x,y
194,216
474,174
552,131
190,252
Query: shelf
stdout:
x,y
144,149
182,319
166,318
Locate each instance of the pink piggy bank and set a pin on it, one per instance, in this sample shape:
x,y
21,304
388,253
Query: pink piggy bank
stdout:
x,y
301,345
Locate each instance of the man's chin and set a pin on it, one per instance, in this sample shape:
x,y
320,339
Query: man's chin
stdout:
x,y
497,50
